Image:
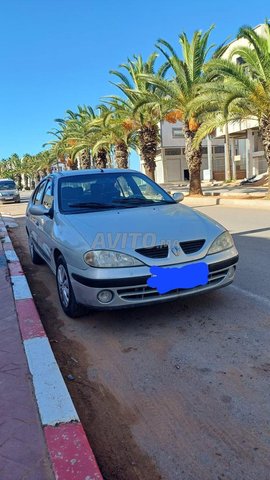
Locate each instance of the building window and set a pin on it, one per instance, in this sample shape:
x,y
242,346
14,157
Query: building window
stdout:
x,y
177,133
173,151
219,149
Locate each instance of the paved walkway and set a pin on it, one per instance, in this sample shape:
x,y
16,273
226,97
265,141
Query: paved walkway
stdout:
x,y
23,452
226,190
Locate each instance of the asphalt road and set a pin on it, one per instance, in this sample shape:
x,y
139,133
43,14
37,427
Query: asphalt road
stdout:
x,y
178,391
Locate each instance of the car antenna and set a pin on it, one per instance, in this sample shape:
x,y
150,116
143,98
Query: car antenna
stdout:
x,y
102,171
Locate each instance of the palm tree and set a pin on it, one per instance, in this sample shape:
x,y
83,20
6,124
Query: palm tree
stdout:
x,y
144,120
80,134
28,169
114,134
59,147
14,166
179,91
241,91
77,134
3,168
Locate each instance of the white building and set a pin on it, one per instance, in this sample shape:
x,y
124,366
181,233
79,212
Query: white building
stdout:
x,y
171,165
246,150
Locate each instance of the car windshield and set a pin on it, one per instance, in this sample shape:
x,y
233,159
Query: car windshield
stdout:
x,y
104,191
7,185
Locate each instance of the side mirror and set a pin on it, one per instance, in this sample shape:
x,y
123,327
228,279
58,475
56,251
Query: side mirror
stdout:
x,y
39,210
178,196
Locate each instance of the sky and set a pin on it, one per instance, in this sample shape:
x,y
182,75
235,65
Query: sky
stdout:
x,y
57,54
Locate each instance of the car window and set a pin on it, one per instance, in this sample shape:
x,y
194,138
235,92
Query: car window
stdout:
x,y
125,188
48,195
39,193
7,185
146,189
108,190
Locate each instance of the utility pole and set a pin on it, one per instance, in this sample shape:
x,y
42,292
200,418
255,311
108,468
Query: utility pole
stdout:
x,y
228,176
209,157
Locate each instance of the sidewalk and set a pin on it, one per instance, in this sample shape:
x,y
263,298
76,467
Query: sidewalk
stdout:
x,y
222,189
226,202
41,436
23,451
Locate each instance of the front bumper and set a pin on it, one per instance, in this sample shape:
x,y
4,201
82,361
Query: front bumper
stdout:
x,y
14,198
134,291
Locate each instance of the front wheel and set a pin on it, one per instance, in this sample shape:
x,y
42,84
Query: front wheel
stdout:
x,y
65,291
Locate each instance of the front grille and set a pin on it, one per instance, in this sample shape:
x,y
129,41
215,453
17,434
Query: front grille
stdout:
x,y
159,251
192,246
144,292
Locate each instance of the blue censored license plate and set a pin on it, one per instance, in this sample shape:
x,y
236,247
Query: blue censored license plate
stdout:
x,y
165,279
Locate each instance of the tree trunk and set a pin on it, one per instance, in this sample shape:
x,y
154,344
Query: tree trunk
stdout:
x,y
85,159
19,181
265,134
194,161
101,158
37,179
25,180
71,164
121,155
149,139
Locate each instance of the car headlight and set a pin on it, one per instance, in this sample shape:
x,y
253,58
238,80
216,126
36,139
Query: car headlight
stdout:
x,y
223,242
110,259
1,194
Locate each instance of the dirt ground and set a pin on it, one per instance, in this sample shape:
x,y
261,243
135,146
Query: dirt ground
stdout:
x,y
179,391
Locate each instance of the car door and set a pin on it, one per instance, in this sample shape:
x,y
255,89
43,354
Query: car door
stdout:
x,y
34,222
46,223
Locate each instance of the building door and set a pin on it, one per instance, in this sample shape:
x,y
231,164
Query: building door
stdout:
x,y
186,174
173,173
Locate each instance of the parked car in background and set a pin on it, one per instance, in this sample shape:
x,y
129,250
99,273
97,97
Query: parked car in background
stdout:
x,y
102,231
9,191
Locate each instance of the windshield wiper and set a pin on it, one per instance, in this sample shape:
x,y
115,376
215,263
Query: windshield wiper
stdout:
x,y
91,204
134,200
142,201
96,205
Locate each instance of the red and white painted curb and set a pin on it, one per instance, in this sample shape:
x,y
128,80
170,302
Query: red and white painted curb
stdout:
x,y
71,455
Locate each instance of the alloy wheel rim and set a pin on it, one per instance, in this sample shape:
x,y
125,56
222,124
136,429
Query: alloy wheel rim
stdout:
x,y
63,285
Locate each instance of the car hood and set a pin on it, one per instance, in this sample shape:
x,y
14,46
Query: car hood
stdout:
x,y
141,227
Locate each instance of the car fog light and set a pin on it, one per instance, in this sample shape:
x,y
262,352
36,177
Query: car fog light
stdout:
x,y
105,296
231,272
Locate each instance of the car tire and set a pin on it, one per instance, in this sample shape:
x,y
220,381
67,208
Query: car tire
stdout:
x,y
65,291
35,257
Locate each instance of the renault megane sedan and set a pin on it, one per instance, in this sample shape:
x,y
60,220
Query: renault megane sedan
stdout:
x,y
114,238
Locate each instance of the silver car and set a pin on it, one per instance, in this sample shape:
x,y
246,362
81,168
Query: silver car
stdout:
x,y
9,191
114,238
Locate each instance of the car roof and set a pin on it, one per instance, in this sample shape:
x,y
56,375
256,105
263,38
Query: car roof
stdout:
x,y
7,179
67,173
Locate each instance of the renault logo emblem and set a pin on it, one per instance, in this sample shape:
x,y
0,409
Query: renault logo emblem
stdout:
x,y
176,250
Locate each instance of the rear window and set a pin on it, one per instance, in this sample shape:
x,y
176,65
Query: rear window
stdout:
x,y
7,185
